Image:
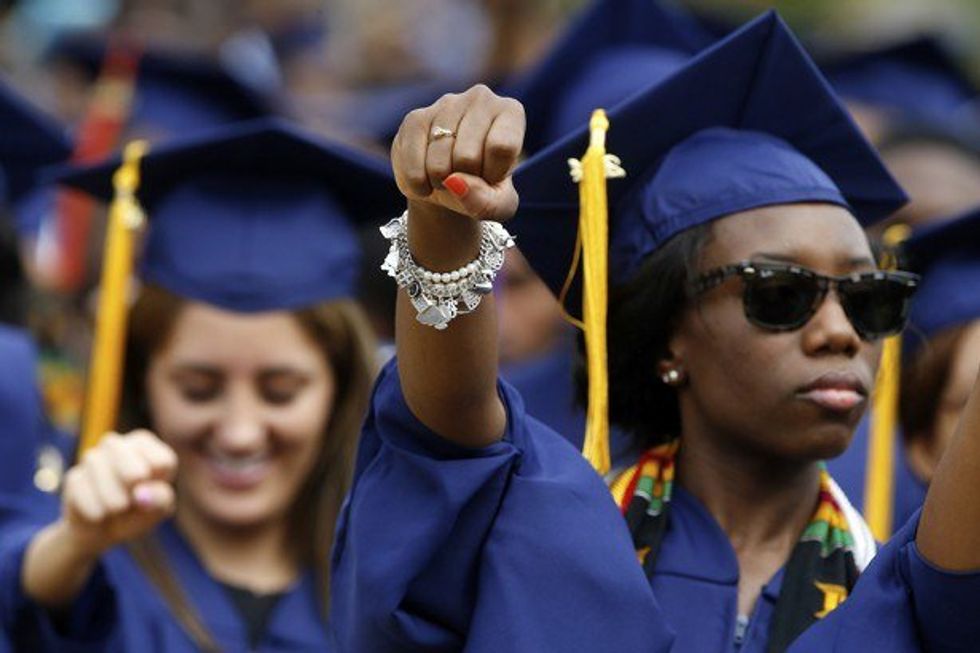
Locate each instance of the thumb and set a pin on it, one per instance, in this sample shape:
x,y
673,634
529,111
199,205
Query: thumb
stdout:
x,y
478,199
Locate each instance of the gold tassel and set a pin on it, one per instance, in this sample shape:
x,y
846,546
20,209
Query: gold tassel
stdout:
x,y
593,247
106,366
879,478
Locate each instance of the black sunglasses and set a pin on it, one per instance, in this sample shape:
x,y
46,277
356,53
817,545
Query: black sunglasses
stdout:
x,y
781,297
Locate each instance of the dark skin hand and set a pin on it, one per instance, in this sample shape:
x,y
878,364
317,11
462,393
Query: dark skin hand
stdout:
x,y
449,378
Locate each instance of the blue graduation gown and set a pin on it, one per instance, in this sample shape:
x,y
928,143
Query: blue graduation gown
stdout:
x,y
547,386
24,429
121,610
850,471
442,548
514,547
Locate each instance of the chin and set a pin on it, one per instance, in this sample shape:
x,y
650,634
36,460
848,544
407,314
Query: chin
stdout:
x,y
239,512
826,442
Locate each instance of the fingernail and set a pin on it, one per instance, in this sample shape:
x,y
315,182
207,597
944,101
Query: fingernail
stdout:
x,y
144,497
456,185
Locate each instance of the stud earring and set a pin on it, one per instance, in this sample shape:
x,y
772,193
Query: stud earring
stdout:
x,y
671,377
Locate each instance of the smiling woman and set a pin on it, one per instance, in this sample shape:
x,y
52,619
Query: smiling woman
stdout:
x,y
248,368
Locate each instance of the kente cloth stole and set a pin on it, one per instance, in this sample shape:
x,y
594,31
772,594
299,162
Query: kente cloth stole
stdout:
x,y
821,570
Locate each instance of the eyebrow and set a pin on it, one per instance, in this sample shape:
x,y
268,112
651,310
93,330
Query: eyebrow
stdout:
x,y
851,262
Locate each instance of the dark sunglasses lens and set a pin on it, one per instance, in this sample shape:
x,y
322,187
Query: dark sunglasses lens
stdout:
x,y
876,307
780,299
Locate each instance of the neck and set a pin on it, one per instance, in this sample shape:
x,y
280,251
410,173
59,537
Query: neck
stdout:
x,y
258,558
760,503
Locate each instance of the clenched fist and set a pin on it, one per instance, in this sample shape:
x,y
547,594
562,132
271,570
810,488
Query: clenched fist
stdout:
x,y
459,153
119,491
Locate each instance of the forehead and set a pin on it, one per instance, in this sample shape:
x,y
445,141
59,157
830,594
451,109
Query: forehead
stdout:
x,y
206,334
822,236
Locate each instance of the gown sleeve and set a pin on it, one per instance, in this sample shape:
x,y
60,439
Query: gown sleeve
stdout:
x,y
88,625
901,603
517,546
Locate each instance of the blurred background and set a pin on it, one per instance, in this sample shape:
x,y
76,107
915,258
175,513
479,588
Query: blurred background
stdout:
x,y
110,70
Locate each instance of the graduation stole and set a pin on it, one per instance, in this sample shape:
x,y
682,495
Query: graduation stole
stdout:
x,y
821,570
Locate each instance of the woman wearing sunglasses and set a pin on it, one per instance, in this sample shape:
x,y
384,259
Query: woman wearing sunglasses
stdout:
x,y
744,331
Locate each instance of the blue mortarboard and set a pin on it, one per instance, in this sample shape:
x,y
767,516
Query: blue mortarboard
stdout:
x,y
917,78
749,122
175,92
947,255
29,141
253,217
610,51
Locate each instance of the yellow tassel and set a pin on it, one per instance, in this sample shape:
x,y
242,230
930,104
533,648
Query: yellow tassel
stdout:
x,y
879,475
106,366
593,247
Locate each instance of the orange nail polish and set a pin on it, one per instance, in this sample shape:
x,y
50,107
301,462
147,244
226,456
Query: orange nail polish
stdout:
x,y
456,185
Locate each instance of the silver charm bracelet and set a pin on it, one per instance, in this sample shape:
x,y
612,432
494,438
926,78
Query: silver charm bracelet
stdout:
x,y
438,297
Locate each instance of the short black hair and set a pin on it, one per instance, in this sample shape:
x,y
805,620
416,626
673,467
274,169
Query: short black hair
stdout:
x,y
643,313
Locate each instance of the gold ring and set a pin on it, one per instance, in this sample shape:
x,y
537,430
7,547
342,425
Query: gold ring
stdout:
x,y
441,132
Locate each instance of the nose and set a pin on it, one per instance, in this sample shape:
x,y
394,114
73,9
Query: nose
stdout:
x,y
830,331
240,426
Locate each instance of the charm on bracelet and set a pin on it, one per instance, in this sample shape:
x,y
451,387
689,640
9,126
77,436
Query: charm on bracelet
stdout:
x,y
438,297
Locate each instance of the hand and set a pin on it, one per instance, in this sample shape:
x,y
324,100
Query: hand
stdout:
x,y
468,172
121,490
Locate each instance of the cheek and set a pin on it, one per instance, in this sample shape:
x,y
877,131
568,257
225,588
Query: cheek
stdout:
x,y
303,421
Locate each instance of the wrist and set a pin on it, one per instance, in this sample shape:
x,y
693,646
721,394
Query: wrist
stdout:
x,y
441,239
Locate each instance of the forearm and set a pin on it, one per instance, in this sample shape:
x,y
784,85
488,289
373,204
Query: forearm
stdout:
x,y
55,570
949,529
449,377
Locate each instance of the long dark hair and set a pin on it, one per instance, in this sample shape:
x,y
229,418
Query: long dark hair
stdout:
x,y
643,313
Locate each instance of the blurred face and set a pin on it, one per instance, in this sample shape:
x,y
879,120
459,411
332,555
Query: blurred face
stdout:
x,y
792,395
925,453
244,401
530,319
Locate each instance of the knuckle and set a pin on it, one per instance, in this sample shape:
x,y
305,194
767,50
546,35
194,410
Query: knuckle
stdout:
x,y
513,105
416,181
467,159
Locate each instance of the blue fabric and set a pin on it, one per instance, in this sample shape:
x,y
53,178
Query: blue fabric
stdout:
x,y
901,603
29,141
917,78
947,255
175,93
516,546
609,51
120,610
696,582
24,430
442,548
546,384
748,122
850,471
254,217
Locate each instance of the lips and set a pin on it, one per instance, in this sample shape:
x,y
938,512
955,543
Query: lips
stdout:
x,y
838,392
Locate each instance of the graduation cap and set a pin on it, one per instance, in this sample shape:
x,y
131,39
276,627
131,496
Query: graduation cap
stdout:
x,y
174,92
253,217
749,122
916,78
29,141
611,50
947,255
